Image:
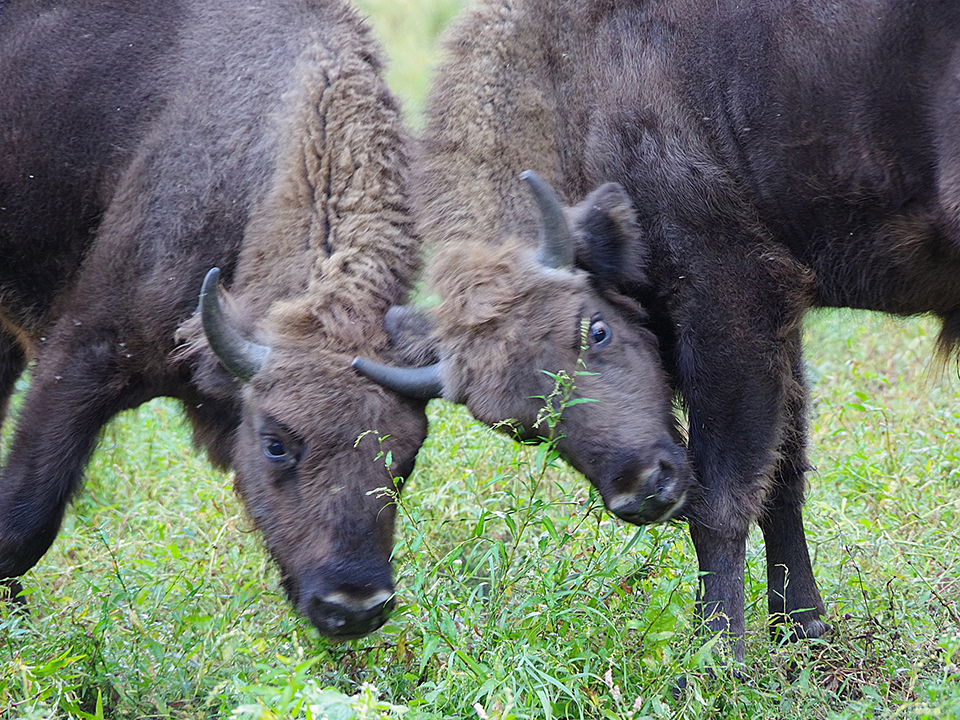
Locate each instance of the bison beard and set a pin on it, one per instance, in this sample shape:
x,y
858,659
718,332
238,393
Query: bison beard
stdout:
x,y
144,143
779,157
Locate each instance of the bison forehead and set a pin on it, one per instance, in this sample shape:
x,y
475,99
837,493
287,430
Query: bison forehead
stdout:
x,y
310,364
333,401
513,292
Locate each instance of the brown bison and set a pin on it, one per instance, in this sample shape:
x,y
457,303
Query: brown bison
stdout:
x,y
514,317
780,156
143,143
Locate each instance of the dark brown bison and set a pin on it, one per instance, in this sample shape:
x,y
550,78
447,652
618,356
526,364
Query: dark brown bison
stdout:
x,y
780,156
143,143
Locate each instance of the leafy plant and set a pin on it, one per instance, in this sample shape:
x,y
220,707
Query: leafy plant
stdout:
x,y
518,595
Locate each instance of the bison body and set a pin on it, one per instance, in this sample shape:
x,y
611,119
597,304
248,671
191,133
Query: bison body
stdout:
x,y
779,155
142,144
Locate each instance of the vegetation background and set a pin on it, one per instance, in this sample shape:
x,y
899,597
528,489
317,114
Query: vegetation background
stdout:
x,y
519,597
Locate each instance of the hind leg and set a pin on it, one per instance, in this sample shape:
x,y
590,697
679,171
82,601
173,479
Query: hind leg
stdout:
x,y
12,362
78,385
793,600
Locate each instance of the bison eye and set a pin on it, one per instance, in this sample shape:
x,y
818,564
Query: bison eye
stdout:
x,y
280,446
274,448
600,333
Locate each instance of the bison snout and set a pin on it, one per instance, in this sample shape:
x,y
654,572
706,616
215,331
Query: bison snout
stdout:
x,y
654,493
344,617
346,608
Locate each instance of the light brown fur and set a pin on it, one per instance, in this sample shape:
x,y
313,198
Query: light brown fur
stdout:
x,y
506,322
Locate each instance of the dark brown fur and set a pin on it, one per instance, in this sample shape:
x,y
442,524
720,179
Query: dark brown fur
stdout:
x,y
142,144
780,154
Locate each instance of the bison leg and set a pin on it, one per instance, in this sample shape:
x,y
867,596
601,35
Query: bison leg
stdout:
x,y
792,596
719,605
733,440
12,362
76,388
734,368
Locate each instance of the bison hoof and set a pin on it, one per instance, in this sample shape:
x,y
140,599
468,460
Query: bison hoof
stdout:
x,y
710,675
10,592
797,629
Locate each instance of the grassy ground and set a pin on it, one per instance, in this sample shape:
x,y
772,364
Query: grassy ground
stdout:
x,y
518,596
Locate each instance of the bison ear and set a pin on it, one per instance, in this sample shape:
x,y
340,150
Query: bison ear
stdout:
x,y
609,241
416,372
411,336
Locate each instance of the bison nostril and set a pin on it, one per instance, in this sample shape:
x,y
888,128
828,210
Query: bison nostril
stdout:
x,y
661,479
653,495
658,482
669,484
360,604
344,616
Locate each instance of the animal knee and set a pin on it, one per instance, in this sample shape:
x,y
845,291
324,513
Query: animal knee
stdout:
x,y
26,533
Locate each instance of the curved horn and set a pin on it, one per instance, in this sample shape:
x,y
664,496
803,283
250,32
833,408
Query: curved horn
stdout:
x,y
556,240
422,383
242,358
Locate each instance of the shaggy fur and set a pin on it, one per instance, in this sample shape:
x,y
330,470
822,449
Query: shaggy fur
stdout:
x,y
508,325
780,155
144,143
505,319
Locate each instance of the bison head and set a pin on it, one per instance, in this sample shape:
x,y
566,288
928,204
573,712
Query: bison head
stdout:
x,y
314,478
511,319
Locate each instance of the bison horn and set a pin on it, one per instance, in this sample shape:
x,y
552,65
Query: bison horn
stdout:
x,y
556,240
422,383
242,358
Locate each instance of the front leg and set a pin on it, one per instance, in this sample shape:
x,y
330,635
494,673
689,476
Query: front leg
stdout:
x,y
735,314
77,386
795,606
720,604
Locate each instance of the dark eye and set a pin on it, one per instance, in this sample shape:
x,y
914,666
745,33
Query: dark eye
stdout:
x,y
600,333
274,448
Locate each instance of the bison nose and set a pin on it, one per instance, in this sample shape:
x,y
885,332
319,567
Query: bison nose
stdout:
x,y
344,616
347,599
654,494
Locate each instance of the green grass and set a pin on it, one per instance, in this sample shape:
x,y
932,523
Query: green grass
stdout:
x,y
408,31
518,596
516,591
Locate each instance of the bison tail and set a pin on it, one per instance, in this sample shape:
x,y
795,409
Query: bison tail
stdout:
x,y
948,342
